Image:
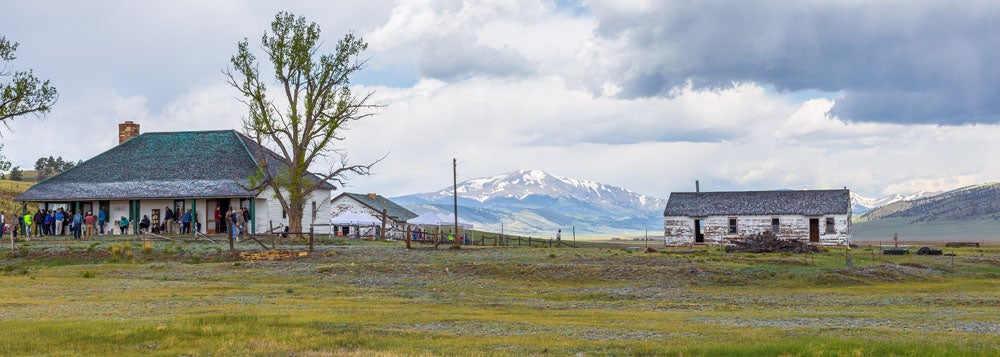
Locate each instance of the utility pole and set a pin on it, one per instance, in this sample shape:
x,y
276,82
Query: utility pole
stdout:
x,y
454,187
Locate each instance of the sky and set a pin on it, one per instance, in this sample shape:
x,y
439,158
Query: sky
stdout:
x,y
880,97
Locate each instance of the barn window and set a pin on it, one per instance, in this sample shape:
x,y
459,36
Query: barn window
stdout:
x,y
830,226
775,225
732,225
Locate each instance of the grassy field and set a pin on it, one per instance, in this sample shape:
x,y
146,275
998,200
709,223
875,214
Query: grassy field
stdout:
x,y
377,298
9,190
883,229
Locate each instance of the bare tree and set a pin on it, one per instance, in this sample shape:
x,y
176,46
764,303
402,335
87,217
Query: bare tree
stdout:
x,y
316,104
23,93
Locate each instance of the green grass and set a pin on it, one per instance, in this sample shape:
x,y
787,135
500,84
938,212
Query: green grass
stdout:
x,y
374,298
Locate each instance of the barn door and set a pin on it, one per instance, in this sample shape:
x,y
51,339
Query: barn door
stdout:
x,y
814,229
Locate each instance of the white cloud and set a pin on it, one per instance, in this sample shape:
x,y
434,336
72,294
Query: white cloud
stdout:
x,y
507,86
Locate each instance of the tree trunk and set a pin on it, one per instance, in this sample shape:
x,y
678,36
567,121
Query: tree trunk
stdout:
x,y
295,219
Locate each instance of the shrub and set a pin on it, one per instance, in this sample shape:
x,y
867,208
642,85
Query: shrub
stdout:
x,y
116,251
86,274
147,247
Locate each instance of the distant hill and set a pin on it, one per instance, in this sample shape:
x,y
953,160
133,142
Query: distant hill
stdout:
x,y
533,202
9,190
978,202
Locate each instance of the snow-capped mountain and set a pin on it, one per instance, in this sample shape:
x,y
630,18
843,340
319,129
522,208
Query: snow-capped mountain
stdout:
x,y
524,183
533,201
861,204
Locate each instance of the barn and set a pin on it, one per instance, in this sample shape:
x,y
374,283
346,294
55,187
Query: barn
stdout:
x,y
196,171
817,216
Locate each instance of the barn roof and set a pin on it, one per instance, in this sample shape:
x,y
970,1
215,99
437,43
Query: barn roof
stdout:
x,y
159,165
378,203
803,202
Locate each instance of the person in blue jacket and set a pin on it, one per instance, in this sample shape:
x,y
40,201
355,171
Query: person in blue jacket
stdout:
x,y
186,220
102,218
60,217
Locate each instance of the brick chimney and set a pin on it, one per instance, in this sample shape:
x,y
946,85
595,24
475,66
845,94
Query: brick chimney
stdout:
x,y
126,131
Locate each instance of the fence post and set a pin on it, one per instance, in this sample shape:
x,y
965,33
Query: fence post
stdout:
x,y
310,239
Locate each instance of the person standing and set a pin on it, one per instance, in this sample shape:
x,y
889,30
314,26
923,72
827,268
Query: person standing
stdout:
x,y
89,220
60,217
168,221
232,219
50,223
102,219
219,223
246,219
559,235
77,224
37,219
3,224
27,227
186,220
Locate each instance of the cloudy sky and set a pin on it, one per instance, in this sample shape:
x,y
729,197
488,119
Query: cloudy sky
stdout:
x,y
881,97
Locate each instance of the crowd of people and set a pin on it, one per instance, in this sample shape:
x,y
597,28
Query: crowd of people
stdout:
x,y
58,222
87,225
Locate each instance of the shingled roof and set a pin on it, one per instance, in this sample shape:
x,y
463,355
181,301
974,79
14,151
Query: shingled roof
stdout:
x,y
805,202
201,164
377,203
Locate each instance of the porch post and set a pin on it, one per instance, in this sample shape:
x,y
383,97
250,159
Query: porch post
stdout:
x,y
253,216
194,216
133,215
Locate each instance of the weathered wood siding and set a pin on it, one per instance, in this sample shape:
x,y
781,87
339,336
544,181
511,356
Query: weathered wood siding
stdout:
x,y
679,230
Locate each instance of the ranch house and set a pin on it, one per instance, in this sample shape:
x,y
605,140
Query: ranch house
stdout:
x,y
195,171
817,216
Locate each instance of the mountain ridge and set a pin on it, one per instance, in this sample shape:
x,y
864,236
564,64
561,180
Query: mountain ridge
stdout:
x,y
974,202
533,202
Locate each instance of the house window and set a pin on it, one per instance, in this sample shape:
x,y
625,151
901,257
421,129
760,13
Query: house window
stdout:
x,y
775,225
830,226
732,225
178,209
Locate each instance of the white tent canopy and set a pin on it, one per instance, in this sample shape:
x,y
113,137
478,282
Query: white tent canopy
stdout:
x,y
431,219
450,221
354,219
426,219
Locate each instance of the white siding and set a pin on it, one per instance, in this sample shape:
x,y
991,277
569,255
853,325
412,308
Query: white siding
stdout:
x,y
347,204
273,212
679,230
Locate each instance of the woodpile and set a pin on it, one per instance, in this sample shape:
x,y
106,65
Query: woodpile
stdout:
x,y
272,255
767,242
